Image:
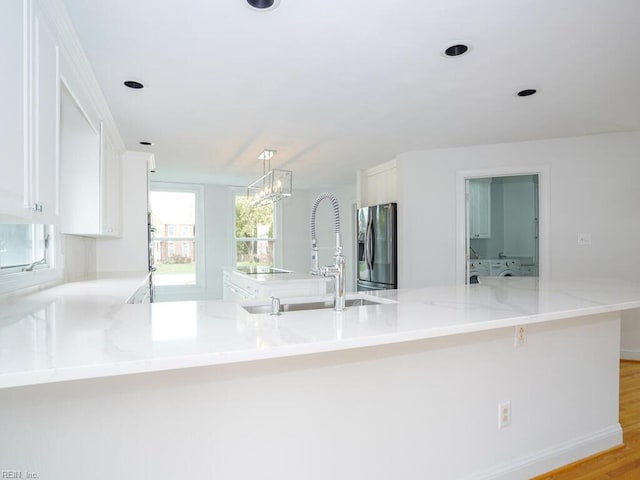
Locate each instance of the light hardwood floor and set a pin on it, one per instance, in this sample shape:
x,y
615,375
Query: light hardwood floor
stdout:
x,y
622,463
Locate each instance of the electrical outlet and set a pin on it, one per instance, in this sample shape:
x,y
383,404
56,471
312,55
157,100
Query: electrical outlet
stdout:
x,y
504,414
521,336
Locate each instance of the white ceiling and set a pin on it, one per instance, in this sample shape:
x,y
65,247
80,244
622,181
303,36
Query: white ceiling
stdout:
x,y
338,85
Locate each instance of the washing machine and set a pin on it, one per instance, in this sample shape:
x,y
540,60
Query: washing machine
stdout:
x,y
479,268
504,267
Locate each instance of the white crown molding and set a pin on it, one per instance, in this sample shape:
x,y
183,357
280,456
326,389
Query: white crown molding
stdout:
x,y
141,156
76,60
383,167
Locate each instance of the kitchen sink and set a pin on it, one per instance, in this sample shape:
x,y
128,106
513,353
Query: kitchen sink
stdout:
x,y
294,306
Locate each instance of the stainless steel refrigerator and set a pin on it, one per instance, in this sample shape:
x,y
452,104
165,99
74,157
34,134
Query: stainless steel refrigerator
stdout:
x,y
377,247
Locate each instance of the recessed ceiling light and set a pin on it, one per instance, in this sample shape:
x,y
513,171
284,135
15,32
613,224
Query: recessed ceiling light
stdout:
x,y
146,143
527,92
455,50
133,84
262,5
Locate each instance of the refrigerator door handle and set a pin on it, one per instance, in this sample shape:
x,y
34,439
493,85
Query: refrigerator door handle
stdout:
x,y
392,242
370,244
366,244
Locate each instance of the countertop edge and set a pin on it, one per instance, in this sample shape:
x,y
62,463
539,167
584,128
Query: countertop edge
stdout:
x,y
128,367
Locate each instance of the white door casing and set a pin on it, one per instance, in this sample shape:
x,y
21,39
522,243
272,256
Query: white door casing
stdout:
x,y
462,226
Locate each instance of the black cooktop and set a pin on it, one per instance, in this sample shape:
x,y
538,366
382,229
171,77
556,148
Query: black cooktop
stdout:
x,y
258,269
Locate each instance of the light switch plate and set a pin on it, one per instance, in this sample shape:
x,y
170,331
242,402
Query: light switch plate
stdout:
x,y
584,239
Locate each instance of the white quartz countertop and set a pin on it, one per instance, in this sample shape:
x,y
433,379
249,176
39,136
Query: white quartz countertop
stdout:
x,y
86,330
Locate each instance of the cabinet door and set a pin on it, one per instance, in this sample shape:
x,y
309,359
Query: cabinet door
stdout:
x,y
29,116
111,165
46,120
13,114
480,208
520,219
79,170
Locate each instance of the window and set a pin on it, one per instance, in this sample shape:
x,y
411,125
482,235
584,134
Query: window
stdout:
x,y
174,212
23,248
255,228
27,256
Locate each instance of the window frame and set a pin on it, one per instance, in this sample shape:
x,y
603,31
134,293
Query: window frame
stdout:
x,y
16,278
277,229
184,292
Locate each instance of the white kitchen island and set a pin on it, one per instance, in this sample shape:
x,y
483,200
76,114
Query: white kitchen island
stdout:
x,y
96,388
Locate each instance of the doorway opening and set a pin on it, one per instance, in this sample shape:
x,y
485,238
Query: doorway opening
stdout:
x,y
502,224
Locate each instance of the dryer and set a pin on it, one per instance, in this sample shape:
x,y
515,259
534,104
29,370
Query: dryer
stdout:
x,y
504,267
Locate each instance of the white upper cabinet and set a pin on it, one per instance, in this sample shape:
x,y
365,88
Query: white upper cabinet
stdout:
x,y
480,208
79,169
45,120
29,116
110,186
89,174
520,218
378,185
13,114
39,48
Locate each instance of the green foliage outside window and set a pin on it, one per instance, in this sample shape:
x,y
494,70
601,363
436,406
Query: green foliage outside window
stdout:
x,y
254,225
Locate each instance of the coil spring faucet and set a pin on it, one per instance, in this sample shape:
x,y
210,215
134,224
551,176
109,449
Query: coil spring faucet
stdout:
x,y
335,271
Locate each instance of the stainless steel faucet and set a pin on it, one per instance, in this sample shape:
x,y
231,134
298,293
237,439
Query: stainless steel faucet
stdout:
x,y
29,268
335,271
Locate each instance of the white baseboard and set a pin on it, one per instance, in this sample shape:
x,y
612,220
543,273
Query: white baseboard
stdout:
x,y
630,354
554,457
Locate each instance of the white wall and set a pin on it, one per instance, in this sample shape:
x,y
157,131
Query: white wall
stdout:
x,y
78,257
594,188
219,236
129,252
296,236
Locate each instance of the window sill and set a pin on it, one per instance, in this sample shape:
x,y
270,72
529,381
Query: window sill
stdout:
x,y
40,279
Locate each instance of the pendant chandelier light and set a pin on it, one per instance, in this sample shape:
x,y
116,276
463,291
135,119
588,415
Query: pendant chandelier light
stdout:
x,y
273,185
